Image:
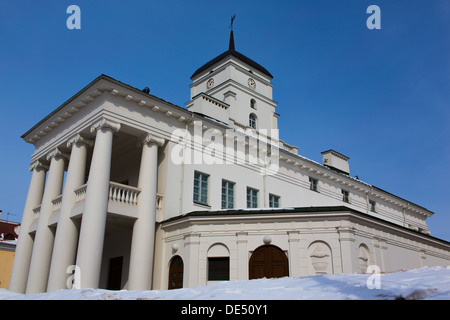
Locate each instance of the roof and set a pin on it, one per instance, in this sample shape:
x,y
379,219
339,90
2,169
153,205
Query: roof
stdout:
x,y
100,77
8,230
232,52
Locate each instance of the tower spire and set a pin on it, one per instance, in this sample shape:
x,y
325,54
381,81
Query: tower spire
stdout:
x,y
231,44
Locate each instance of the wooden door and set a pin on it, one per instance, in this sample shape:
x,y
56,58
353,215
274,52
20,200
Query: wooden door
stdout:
x,y
176,273
268,261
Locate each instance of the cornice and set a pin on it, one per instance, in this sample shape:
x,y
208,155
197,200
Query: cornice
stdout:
x,y
349,182
63,112
240,86
223,66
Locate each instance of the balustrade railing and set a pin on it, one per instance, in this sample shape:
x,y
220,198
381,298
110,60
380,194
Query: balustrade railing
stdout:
x,y
123,194
119,193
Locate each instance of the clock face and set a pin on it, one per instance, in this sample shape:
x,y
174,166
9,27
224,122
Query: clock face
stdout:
x,y
251,83
210,83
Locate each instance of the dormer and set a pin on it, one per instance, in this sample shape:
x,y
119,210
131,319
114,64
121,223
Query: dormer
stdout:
x,y
241,85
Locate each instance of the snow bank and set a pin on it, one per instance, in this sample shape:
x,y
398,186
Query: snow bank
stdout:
x,y
425,283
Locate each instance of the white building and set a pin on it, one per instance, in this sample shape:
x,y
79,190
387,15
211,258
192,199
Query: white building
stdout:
x,y
243,204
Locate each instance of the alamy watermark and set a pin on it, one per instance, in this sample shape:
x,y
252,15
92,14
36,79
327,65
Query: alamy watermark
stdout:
x,y
74,280
74,20
212,146
374,280
374,21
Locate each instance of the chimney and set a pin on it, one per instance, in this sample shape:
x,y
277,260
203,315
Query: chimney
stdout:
x,y
336,161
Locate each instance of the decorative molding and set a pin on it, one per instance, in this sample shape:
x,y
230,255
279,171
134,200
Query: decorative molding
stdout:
x,y
79,139
107,124
56,153
320,252
151,138
38,165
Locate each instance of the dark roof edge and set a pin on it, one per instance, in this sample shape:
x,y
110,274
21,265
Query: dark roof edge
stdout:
x,y
234,212
64,104
237,55
100,77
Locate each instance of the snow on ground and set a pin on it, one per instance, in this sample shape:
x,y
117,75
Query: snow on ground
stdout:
x,y
431,283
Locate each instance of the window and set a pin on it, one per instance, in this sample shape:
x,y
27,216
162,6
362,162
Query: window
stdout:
x,y
274,201
345,196
372,206
227,194
252,198
313,184
252,121
201,187
218,269
253,104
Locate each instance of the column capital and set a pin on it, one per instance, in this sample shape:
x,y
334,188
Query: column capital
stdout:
x,y
39,165
151,138
56,153
77,138
107,124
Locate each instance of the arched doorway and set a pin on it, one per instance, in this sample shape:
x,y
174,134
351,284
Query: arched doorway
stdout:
x,y
176,273
268,261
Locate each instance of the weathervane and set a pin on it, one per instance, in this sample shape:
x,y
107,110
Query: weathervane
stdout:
x,y
232,20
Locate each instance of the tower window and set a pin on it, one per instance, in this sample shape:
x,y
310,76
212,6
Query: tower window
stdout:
x,y
345,196
252,121
253,104
313,184
372,206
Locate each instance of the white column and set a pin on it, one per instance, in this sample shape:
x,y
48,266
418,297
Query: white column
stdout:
x,y
43,240
93,222
242,256
348,251
22,256
66,238
294,253
191,263
143,239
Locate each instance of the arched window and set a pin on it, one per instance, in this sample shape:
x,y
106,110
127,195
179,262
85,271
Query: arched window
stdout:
x,y
253,104
252,121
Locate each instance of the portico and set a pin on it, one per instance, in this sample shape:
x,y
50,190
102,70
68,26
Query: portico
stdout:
x,y
73,203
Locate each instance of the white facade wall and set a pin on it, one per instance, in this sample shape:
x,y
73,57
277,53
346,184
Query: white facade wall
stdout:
x,y
338,236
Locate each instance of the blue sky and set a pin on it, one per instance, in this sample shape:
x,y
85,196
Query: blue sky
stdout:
x,y
381,97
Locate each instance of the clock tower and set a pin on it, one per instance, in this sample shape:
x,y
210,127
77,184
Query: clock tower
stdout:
x,y
235,90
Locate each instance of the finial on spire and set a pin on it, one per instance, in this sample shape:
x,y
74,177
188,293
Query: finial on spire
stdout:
x,y
232,20
231,45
